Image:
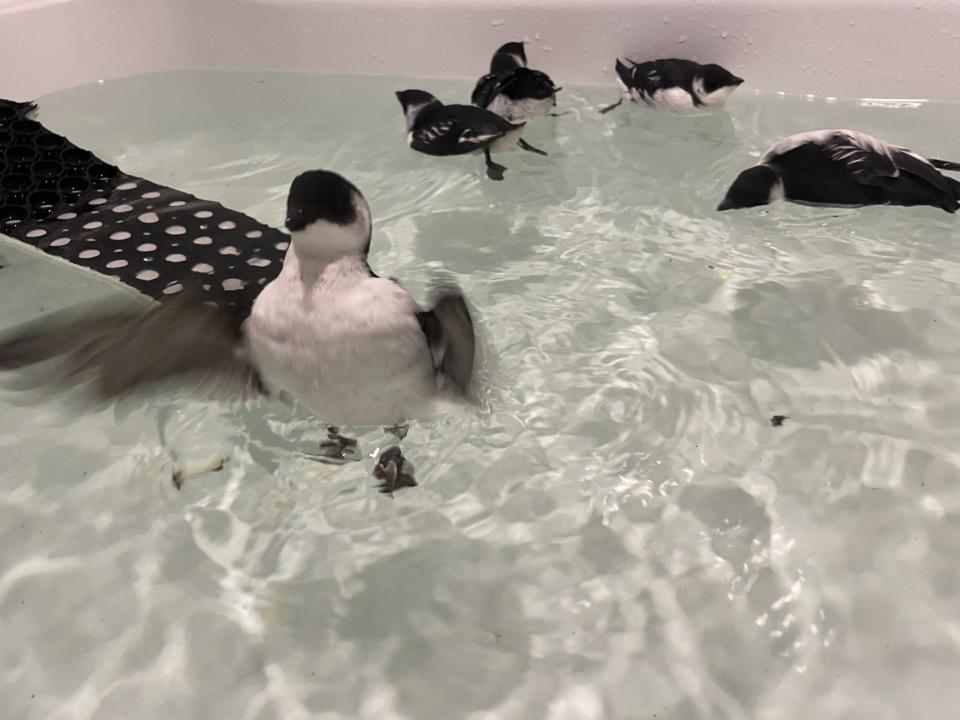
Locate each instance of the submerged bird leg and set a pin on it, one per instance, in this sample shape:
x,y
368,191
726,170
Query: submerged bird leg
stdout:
x,y
399,431
559,114
337,448
495,171
394,471
182,473
530,148
608,108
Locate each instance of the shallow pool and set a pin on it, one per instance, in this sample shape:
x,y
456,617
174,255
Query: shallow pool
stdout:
x,y
620,531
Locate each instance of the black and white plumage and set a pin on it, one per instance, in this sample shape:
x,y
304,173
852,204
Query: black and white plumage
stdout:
x,y
844,167
676,86
352,347
512,90
437,129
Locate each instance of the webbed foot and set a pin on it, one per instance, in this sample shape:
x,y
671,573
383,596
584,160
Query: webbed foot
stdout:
x,y
524,145
495,171
393,471
337,448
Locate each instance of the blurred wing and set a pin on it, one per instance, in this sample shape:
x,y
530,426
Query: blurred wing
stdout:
x,y
527,84
450,336
120,350
486,90
508,57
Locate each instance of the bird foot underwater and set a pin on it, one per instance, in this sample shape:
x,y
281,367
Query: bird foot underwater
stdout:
x,y
495,171
337,449
182,473
608,108
398,431
530,148
394,471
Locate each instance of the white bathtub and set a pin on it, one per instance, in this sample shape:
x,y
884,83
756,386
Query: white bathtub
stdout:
x,y
849,48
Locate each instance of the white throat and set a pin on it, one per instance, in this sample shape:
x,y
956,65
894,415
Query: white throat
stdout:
x,y
324,242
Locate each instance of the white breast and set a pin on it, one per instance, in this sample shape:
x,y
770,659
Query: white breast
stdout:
x,y
508,141
675,100
347,346
520,110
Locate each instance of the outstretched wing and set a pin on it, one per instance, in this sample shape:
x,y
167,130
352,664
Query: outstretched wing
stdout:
x,y
509,56
525,83
121,349
486,90
448,328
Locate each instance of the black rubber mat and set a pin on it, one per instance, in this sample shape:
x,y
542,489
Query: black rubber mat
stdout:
x,y
67,202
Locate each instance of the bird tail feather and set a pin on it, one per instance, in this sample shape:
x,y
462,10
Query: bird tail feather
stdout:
x,y
948,165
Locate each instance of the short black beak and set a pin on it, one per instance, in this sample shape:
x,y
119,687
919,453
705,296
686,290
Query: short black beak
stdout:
x,y
725,204
738,81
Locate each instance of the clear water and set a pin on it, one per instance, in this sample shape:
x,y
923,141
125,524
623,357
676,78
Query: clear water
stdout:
x,y
621,534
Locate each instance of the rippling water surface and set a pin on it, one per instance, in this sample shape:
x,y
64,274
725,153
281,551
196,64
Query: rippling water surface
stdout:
x,y
619,533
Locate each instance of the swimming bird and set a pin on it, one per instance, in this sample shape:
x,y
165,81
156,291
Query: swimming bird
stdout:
x,y
676,86
511,89
844,167
437,129
352,347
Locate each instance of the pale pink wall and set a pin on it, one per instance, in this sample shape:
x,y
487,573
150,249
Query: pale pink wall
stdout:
x,y
887,48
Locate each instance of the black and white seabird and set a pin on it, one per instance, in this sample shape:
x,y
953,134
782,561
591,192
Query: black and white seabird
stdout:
x,y
352,347
676,86
512,90
437,129
844,167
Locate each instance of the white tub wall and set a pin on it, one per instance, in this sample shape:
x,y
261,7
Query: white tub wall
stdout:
x,y
873,48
